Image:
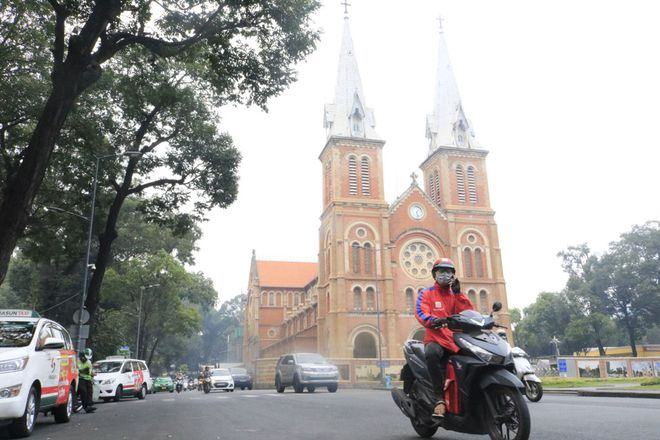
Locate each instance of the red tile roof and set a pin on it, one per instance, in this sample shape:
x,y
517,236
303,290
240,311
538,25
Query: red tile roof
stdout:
x,y
286,273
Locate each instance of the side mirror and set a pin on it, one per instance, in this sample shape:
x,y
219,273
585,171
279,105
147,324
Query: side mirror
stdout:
x,y
497,306
53,344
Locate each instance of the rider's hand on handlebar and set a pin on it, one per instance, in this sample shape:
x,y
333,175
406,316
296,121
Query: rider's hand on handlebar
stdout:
x,y
439,323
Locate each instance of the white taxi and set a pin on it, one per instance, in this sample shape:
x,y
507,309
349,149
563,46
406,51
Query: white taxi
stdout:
x,y
38,370
119,377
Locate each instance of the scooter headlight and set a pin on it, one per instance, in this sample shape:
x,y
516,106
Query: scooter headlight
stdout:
x,y
482,354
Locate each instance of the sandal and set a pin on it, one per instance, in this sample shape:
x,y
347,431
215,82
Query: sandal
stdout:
x,y
441,415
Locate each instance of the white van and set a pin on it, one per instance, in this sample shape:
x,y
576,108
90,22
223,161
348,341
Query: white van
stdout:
x,y
119,377
38,370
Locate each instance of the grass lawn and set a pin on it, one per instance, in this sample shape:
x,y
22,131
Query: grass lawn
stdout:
x,y
572,382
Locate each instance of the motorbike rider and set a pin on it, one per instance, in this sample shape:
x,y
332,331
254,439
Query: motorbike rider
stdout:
x,y
434,305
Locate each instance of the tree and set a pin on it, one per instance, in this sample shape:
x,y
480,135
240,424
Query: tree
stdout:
x,y
586,290
544,319
247,50
632,266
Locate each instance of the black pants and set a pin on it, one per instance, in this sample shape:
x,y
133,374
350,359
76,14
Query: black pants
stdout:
x,y
436,362
86,392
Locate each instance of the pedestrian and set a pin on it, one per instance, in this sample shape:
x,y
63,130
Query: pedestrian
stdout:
x,y
85,384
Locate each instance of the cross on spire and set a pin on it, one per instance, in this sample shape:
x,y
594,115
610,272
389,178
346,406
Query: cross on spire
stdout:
x,y
346,4
440,20
414,176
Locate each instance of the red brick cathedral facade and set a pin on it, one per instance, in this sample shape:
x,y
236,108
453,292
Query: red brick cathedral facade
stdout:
x,y
375,255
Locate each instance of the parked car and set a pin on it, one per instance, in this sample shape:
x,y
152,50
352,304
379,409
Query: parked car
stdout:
x,y
38,367
163,383
119,377
221,379
305,370
242,378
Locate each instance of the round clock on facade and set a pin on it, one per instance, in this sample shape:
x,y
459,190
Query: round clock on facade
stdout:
x,y
416,211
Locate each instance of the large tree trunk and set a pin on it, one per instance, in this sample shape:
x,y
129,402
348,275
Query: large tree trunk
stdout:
x,y
631,336
70,78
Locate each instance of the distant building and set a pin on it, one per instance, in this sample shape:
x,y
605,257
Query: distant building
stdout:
x,y
374,254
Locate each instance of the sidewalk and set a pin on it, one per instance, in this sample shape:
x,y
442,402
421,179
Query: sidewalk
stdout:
x,y
614,390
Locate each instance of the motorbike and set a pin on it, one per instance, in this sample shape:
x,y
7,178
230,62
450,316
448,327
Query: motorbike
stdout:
x,y
207,385
482,394
526,373
179,385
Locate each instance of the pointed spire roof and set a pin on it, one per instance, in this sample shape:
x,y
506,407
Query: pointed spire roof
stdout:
x,y
447,126
348,115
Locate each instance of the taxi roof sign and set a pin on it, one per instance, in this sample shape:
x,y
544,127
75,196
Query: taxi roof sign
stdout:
x,y
17,313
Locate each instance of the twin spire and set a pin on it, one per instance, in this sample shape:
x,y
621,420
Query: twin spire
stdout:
x,y
349,116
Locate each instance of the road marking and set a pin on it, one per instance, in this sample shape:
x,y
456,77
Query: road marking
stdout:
x,y
169,399
249,395
221,397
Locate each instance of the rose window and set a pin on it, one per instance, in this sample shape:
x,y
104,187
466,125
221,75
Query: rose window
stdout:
x,y
417,259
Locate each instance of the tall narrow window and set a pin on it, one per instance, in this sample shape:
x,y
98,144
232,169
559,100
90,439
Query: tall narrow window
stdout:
x,y
368,258
431,188
479,263
355,251
271,299
436,178
472,296
410,299
371,299
352,176
365,179
467,262
460,184
483,302
472,185
357,298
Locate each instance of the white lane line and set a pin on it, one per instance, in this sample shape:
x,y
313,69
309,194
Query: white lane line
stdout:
x,y
221,397
249,395
168,400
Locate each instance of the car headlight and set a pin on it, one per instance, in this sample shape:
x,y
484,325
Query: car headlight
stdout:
x,y
12,365
8,392
482,354
107,382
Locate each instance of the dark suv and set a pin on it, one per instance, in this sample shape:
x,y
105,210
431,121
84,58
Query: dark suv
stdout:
x,y
242,378
305,370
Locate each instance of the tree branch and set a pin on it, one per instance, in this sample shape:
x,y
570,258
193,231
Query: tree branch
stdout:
x,y
159,182
58,49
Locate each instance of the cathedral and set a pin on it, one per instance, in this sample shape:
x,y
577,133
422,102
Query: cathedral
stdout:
x,y
358,301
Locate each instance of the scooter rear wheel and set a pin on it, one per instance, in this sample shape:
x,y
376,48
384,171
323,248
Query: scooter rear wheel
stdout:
x,y
533,391
511,421
422,429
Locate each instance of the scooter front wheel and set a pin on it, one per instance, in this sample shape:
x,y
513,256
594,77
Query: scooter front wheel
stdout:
x,y
533,391
511,420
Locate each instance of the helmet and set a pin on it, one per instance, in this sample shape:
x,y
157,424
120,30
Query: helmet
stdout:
x,y
443,262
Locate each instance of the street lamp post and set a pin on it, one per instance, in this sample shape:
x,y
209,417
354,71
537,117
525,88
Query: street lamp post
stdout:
x,y
137,339
83,297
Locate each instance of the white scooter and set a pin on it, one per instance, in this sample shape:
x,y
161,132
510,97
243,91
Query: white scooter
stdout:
x,y
526,373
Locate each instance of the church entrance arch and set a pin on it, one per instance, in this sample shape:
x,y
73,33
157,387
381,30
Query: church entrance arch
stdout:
x,y
365,346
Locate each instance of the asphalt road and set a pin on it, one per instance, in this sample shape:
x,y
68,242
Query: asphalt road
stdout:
x,y
348,414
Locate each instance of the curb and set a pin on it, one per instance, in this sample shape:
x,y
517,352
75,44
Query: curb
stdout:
x,y
603,393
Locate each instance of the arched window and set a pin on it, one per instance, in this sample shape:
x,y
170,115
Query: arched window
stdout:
x,y
271,299
368,258
263,298
472,185
467,262
472,296
352,176
436,177
357,298
365,179
460,183
479,263
371,299
296,299
364,346
483,302
410,299
356,257
431,188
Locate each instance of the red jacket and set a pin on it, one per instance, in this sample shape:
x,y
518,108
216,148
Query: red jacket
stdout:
x,y
440,302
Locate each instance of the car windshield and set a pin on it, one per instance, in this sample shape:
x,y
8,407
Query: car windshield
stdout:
x,y
16,333
310,358
239,371
163,379
107,367
220,372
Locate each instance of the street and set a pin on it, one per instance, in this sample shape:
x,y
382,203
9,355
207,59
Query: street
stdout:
x,y
348,414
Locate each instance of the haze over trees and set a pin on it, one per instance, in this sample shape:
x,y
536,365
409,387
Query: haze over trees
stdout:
x,y
609,300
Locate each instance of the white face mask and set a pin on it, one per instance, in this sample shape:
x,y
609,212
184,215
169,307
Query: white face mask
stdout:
x,y
444,279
